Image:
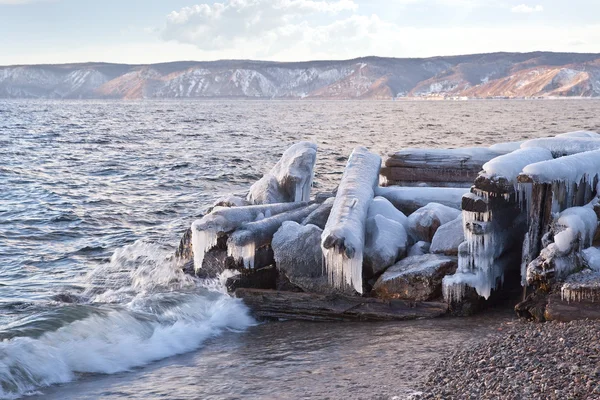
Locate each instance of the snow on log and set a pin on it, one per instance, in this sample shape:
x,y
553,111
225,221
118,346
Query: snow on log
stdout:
x,y
244,241
437,167
223,220
574,168
290,179
344,234
510,165
564,146
410,199
506,147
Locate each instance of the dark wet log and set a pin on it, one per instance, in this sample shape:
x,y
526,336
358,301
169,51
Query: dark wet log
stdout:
x,y
560,310
314,307
539,220
436,167
533,307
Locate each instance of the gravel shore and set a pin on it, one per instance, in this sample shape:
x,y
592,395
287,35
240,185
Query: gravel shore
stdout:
x,y
524,360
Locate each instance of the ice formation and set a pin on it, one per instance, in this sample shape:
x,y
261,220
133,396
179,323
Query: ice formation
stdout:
x,y
574,231
382,206
386,241
510,165
244,241
591,256
222,220
343,238
564,146
574,168
290,179
409,199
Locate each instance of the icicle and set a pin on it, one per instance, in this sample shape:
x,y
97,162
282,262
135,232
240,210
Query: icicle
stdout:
x,y
202,242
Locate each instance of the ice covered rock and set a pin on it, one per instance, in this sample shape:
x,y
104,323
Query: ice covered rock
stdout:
x,y
386,242
224,220
320,216
410,199
344,234
298,256
417,278
591,257
244,241
423,223
290,179
418,249
448,237
382,206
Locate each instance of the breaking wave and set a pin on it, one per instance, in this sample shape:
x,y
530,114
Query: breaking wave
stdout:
x,y
136,309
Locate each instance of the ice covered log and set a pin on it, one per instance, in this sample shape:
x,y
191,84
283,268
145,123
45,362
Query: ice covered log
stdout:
x,y
298,255
564,146
506,147
320,216
290,179
223,220
417,278
580,134
572,232
344,234
437,167
423,223
509,166
386,241
448,237
410,199
245,240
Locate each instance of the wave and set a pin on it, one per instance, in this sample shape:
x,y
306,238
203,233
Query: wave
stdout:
x,y
137,309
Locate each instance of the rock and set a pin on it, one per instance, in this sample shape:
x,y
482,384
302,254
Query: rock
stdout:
x,y
423,223
290,179
184,252
319,216
448,237
417,278
262,278
298,256
418,249
385,243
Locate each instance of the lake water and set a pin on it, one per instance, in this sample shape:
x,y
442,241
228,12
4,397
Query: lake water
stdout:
x,y
94,196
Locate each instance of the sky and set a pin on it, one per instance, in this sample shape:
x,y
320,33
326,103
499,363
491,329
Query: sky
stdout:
x,y
151,31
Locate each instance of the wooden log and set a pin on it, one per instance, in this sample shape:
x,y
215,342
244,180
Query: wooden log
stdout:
x,y
335,307
560,310
466,158
410,199
430,176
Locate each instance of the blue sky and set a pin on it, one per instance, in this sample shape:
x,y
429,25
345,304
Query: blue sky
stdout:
x,y
146,31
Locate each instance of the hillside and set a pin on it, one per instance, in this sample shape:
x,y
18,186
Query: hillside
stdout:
x,y
512,75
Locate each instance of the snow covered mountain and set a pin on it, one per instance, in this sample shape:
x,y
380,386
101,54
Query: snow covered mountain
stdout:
x,y
512,75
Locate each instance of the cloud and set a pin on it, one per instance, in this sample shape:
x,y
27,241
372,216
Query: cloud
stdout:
x,y
525,9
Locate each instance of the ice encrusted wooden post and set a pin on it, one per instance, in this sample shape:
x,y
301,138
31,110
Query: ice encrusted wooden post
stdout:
x,y
493,224
556,185
343,238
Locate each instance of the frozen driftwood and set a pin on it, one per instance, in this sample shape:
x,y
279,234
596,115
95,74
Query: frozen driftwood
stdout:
x,y
223,220
410,199
564,146
244,241
290,179
436,167
343,238
314,307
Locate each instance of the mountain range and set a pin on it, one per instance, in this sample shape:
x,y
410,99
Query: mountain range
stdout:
x,y
494,75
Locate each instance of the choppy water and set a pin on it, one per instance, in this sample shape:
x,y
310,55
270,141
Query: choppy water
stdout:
x,y
94,196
